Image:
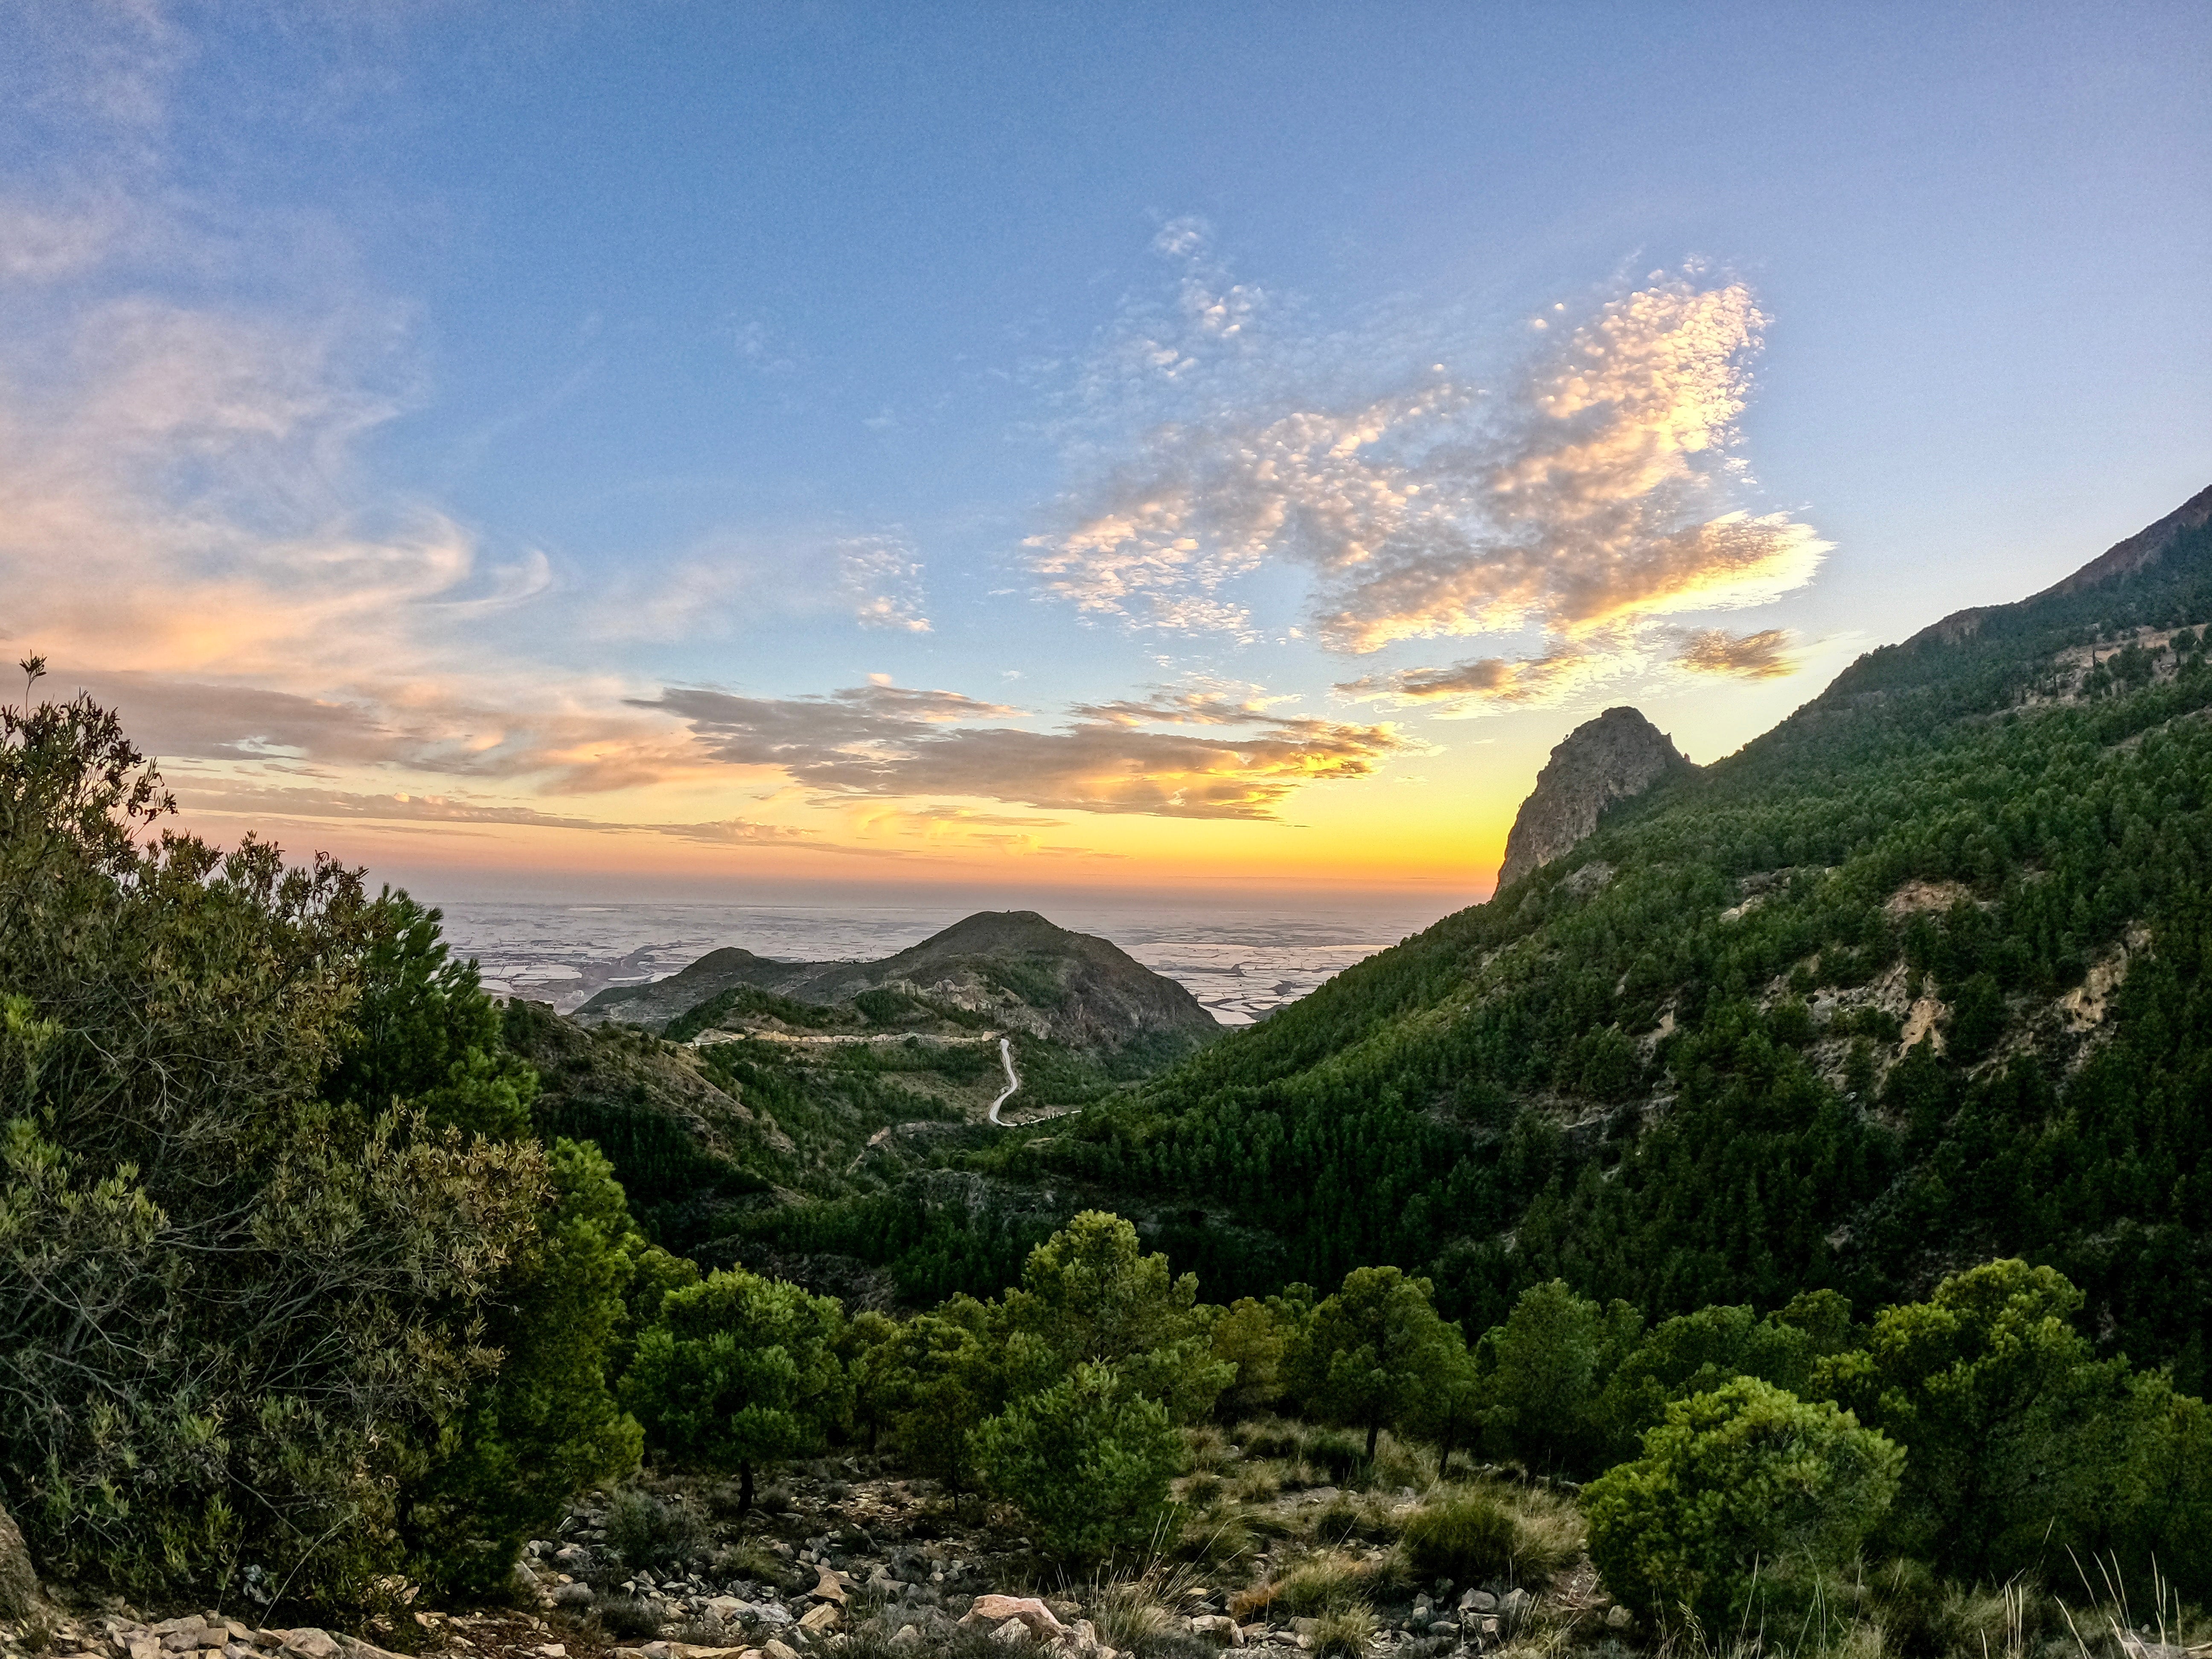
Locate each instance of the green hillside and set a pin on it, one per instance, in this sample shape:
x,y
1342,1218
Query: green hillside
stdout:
x,y
1915,979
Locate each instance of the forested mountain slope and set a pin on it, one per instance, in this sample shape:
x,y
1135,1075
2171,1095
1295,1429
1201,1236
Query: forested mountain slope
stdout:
x,y
1919,978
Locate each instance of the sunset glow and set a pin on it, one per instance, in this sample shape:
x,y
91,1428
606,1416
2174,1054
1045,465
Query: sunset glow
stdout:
x,y
508,489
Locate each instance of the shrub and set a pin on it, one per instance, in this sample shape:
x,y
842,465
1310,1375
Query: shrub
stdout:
x,y
1467,1540
1088,1462
547,1426
1206,1450
1397,1464
1338,1454
746,1561
1544,1368
1370,1352
2022,1442
1694,1352
1371,1518
1256,1483
1742,1496
1215,1537
1548,1536
1248,1335
1268,1436
645,1531
625,1618
1090,1295
240,1304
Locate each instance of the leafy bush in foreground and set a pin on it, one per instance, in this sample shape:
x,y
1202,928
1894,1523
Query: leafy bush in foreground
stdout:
x,y
1742,1498
290,1296
233,1309
1086,1459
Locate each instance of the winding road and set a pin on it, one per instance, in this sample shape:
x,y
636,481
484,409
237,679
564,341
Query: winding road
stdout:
x,y
1013,1078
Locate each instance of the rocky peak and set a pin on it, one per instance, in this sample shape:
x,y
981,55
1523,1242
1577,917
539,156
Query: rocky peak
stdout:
x,y
1616,755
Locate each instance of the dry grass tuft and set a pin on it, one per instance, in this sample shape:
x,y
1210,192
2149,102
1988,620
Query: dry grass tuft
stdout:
x,y
1344,1633
1325,1582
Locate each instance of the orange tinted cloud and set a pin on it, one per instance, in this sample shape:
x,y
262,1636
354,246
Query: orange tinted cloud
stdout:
x,y
1761,656
894,741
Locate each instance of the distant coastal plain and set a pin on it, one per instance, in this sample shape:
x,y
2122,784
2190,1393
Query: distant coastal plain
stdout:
x,y
1241,961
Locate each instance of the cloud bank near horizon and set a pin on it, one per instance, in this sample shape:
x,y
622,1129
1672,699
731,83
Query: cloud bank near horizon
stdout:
x,y
881,739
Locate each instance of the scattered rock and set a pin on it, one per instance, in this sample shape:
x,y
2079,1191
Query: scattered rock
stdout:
x,y
574,1595
1036,1617
823,1615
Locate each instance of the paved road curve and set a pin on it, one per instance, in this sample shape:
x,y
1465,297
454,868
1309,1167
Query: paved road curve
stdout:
x,y
1013,1078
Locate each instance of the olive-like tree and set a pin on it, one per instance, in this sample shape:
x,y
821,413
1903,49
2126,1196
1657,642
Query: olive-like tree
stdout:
x,y
740,1371
1372,1351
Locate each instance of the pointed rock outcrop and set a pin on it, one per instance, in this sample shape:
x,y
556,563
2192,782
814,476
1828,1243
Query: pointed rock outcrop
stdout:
x,y
1616,755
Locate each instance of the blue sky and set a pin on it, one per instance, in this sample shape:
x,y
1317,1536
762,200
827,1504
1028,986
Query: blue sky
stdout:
x,y
701,445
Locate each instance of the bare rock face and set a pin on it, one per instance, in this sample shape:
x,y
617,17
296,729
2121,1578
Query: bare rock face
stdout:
x,y
1616,755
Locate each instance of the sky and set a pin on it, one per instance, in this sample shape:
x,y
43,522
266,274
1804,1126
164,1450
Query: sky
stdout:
x,y
714,450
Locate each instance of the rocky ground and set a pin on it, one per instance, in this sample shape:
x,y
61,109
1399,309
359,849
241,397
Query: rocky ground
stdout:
x,y
855,1550
853,1556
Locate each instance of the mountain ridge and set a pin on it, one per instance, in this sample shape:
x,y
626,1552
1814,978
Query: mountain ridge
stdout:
x,y
2129,557
1013,965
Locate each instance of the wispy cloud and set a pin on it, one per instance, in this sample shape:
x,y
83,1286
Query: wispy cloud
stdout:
x,y
729,584
1588,497
261,801
887,740
1761,656
1206,703
1565,670
585,744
